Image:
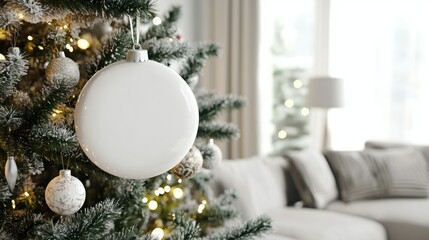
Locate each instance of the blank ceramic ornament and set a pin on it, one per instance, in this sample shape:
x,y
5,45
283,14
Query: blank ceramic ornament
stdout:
x,y
136,118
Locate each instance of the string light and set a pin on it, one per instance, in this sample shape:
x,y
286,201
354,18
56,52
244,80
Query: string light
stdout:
x,y
145,200
152,205
40,47
168,177
157,233
289,103
179,181
65,26
201,208
167,188
305,111
156,192
282,134
30,38
26,194
297,83
204,202
20,16
178,193
161,190
156,20
71,40
2,57
83,44
13,204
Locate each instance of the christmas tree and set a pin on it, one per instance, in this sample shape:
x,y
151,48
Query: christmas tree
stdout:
x,y
39,88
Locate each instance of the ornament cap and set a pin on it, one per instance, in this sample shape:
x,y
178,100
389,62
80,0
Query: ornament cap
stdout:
x,y
61,54
14,50
137,56
65,173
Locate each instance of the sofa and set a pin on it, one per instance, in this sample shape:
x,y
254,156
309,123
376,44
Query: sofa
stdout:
x,y
266,186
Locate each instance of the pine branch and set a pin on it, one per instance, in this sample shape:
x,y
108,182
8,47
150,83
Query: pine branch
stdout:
x,y
11,72
249,230
10,118
31,10
186,228
93,223
217,130
209,108
167,28
194,63
164,50
128,234
104,8
114,49
219,210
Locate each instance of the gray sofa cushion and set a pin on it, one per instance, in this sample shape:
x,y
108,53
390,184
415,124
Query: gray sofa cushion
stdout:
x,y
312,224
402,218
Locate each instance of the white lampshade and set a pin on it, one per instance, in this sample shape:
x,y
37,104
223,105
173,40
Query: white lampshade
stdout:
x,y
325,92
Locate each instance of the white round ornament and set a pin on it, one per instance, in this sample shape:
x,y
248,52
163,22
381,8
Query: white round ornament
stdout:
x,y
63,69
216,157
190,165
136,118
65,194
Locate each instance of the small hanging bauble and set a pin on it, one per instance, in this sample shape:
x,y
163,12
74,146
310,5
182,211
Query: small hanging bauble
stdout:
x,y
63,69
11,172
216,157
190,165
136,118
65,194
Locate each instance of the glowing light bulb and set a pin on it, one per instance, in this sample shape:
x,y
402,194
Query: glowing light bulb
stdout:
x,y
282,134
156,192
83,44
204,202
305,111
145,200
30,38
13,204
54,114
168,177
161,190
179,181
158,233
20,16
297,83
2,57
26,194
201,208
40,47
289,103
178,193
156,20
152,205
167,188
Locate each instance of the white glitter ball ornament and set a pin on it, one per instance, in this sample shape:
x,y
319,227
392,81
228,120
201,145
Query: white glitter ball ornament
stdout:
x,y
65,194
190,165
216,157
63,69
136,118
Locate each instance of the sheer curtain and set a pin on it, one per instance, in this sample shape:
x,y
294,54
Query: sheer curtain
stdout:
x,y
381,48
234,25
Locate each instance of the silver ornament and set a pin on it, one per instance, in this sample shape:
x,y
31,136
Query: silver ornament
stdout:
x,y
11,172
63,69
190,165
216,157
65,194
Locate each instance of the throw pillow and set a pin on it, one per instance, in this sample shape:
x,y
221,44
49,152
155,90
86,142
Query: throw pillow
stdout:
x,y
313,178
355,175
401,172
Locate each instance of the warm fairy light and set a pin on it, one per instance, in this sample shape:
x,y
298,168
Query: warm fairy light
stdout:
x,y
144,200
289,103
201,208
282,134
156,20
26,194
68,46
178,193
297,83
21,16
152,205
30,38
83,44
71,49
65,26
305,111
167,188
2,57
57,111
13,204
157,233
71,40
40,47
179,181
204,202
156,192
161,190
54,114
168,177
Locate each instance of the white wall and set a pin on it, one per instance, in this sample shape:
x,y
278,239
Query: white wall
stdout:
x,y
189,22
